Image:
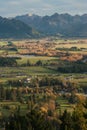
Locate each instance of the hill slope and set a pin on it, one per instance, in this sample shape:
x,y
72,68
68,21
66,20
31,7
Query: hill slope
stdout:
x,y
12,28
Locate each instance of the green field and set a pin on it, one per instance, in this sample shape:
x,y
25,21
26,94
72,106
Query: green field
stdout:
x,y
15,73
6,108
64,105
34,59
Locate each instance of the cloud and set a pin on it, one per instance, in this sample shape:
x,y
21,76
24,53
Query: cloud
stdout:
x,y
12,3
42,7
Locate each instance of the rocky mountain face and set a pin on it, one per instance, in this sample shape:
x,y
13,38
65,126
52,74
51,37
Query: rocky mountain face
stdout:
x,y
57,24
25,26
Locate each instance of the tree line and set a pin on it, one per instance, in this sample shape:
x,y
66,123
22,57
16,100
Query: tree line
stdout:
x,y
73,67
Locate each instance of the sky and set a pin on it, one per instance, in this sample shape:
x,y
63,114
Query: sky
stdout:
x,y
11,8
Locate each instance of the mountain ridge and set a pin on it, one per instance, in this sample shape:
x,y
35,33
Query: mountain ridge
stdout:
x,y
33,26
64,24
12,28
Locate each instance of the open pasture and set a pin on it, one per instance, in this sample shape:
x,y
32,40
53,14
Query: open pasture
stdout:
x,y
33,59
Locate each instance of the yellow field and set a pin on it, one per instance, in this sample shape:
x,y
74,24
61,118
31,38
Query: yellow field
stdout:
x,y
80,43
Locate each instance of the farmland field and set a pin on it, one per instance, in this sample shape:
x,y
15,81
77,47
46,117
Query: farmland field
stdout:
x,y
35,78
33,59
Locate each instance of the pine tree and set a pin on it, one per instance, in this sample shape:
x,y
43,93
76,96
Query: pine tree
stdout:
x,y
66,121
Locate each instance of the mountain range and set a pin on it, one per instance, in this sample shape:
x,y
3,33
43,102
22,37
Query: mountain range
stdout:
x,y
57,24
30,26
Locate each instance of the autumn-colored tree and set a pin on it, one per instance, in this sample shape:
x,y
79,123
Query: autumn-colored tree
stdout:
x,y
79,121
